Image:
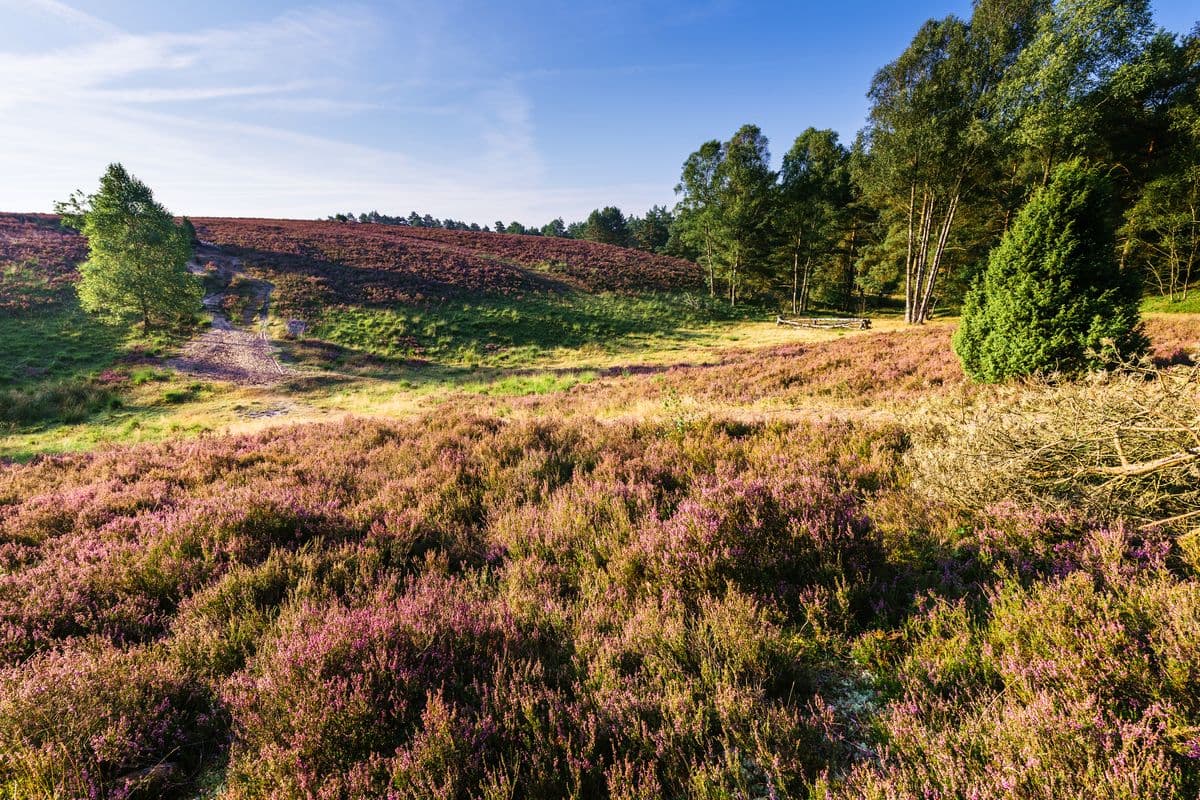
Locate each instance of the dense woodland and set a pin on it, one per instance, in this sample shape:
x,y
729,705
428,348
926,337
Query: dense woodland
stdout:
x,y
964,125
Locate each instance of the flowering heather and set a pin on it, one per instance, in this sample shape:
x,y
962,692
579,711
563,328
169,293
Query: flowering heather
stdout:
x,y
859,369
38,242
460,606
865,371
1174,338
322,262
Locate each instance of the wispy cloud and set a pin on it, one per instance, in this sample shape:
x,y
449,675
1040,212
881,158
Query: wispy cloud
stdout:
x,y
184,95
72,16
286,116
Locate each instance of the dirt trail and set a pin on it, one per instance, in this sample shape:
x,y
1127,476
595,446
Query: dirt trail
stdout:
x,y
228,352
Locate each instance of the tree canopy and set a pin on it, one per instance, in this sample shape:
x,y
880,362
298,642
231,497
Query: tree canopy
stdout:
x,y
137,254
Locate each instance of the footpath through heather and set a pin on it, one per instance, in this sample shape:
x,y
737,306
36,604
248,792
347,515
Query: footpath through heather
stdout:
x,y
240,353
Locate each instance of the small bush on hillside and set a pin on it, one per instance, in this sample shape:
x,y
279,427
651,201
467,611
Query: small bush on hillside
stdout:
x,y
1053,297
91,720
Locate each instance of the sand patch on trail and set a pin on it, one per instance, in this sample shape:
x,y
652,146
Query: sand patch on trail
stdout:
x,y
240,354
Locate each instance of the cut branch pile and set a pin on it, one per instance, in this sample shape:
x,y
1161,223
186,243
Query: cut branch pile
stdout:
x,y
1125,446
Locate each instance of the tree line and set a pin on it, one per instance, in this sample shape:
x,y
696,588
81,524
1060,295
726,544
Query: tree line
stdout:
x,y
609,225
964,127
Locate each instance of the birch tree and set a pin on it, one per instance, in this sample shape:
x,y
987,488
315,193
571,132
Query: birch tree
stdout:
x,y
814,188
697,213
137,254
745,194
1051,99
923,150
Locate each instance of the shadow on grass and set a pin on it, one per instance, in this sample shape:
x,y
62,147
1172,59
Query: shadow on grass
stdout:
x,y
55,340
515,331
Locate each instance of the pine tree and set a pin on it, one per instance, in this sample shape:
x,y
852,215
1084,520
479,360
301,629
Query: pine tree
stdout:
x,y
1053,297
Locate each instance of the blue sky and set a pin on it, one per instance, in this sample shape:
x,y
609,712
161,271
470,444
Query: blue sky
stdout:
x,y
472,110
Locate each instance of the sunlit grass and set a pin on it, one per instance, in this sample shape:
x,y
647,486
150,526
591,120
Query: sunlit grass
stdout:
x,y
1163,305
507,332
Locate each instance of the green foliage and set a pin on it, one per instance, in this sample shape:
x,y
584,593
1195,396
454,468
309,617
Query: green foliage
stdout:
x,y
744,202
694,232
1162,227
137,255
555,227
651,232
607,225
724,217
1053,297
813,201
930,149
189,230
1051,98
1163,230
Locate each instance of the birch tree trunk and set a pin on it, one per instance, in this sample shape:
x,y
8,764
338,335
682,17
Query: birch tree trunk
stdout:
x,y
926,251
795,277
805,285
712,276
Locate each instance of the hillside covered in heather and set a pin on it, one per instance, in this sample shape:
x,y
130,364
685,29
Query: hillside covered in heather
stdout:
x,y
378,263
868,468
396,263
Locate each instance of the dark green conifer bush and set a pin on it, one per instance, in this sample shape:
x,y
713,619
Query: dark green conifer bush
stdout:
x,y
1053,297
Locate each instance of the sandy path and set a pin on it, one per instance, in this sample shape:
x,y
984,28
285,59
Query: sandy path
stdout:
x,y
228,352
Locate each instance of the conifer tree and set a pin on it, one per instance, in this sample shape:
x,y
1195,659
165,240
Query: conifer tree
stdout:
x,y
1053,297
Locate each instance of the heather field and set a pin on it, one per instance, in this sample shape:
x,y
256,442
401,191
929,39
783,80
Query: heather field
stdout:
x,y
472,603
388,264
853,455
499,534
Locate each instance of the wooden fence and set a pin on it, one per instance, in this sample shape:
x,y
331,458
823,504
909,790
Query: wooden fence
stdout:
x,y
861,323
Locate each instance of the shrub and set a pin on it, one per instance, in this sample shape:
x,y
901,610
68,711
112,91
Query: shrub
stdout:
x,y
1079,686
1053,297
93,721
70,400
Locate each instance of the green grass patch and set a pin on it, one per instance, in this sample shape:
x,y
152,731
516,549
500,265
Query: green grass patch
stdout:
x,y
51,338
71,400
144,375
505,332
183,394
58,364
521,385
1162,305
